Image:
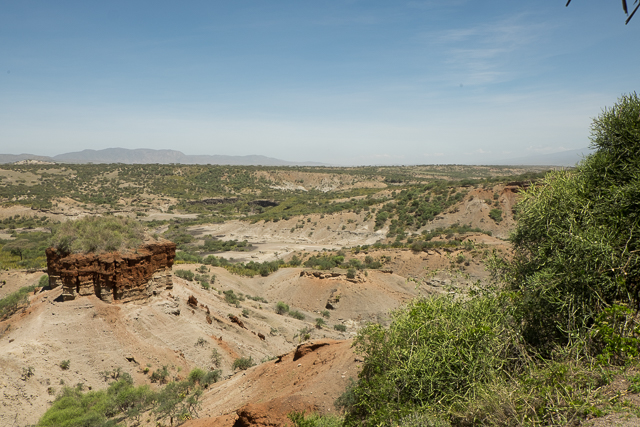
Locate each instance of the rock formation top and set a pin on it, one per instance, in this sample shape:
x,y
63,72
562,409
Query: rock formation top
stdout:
x,y
113,276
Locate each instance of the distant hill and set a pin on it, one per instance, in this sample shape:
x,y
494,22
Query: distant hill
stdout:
x,y
12,158
146,156
562,158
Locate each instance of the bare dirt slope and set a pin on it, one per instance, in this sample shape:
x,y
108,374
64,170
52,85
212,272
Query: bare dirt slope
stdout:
x,y
310,378
97,337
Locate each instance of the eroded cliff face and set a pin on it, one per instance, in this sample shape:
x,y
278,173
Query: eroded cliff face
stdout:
x,y
113,276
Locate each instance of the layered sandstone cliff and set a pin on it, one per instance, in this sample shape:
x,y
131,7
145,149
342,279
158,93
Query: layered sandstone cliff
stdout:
x,y
113,276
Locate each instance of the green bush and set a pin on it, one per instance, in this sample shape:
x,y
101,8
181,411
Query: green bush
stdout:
x,y
296,314
577,242
160,376
496,215
211,377
320,323
196,375
243,363
185,274
183,257
64,365
97,234
340,328
44,281
300,419
231,297
10,303
414,367
121,401
282,308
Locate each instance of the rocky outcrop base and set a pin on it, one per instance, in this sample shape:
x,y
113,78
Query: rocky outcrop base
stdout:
x,y
113,276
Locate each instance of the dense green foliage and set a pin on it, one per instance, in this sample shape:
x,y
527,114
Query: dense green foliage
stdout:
x,y
122,402
413,208
437,352
10,303
27,248
97,234
577,240
300,419
538,349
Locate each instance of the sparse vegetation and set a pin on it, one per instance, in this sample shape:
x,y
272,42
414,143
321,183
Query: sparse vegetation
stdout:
x,y
538,354
161,375
97,234
282,308
496,214
185,274
216,358
243,363
296,314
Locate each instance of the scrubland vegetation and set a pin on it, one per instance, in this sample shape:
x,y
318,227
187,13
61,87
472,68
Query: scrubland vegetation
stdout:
x,y
540,345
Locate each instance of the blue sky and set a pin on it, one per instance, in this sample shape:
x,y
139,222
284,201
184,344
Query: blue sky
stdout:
x,y
341,82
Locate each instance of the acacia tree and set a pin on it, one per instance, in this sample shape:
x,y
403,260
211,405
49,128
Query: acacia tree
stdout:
x,y
577,242
19,247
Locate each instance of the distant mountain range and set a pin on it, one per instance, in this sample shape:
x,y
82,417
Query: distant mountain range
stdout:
x,y
562,158
145,156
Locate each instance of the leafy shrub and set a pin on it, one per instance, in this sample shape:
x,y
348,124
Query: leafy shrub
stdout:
x,y
295,261
320,323
120,401
296,314
231,298
634,384
340,328
243,363
211,377
577,242
196,375
257,298
616,333
351,273
10,303
185,274
97,234
44,281
496,214
160,376
183,257
282,308
300,419
64,365
467,344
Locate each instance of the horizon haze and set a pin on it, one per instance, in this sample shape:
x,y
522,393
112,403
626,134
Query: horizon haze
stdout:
x,y
341,83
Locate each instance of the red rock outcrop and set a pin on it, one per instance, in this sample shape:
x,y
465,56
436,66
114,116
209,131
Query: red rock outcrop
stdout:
x,y
113,276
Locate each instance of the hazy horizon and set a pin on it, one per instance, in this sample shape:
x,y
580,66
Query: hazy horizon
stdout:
x,y
342,82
